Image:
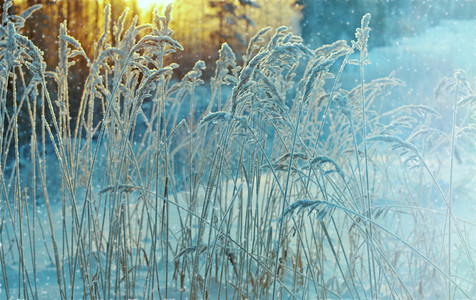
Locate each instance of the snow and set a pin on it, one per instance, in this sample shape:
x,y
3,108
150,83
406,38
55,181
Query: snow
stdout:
x,y
424,59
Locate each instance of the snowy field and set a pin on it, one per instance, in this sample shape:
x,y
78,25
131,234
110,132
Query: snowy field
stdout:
x,y
423,60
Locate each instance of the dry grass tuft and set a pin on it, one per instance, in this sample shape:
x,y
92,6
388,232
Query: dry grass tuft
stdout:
x,y
141,196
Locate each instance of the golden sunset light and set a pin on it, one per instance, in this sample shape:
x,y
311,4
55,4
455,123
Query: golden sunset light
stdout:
x,y
149,4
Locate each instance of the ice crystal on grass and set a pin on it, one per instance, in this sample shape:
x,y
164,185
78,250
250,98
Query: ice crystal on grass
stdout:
x,y
395,140
412,154
322,159
362,37
216,117
159,188
322,209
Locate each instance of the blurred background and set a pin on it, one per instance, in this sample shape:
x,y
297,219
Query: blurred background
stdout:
x,y
201,26
421,40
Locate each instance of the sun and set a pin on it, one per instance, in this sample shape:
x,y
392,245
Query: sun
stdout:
x,y
148,4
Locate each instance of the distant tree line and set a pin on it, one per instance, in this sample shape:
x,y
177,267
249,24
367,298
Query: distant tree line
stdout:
x,y
201,26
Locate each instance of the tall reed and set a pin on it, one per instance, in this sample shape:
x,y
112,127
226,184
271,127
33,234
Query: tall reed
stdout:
x,y
275,184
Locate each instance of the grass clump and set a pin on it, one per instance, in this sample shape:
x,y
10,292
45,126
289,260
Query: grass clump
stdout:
x,y
281,187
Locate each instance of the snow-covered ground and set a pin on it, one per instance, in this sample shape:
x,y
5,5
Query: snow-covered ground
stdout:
x,y
424,59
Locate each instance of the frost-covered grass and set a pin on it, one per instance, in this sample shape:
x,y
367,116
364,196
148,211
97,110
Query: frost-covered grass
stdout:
x,y
286,186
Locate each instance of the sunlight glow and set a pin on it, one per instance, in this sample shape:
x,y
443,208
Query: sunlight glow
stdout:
x,y
149,4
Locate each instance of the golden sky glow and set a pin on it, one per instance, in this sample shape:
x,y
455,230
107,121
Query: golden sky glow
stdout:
x,y
148,4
